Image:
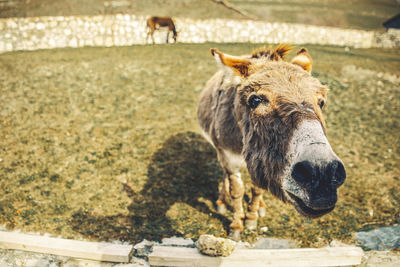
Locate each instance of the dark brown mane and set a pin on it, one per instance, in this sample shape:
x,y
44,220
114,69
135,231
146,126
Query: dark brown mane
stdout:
x,y
278,53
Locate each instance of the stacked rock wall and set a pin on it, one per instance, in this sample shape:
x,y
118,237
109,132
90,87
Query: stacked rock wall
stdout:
x,y
119,30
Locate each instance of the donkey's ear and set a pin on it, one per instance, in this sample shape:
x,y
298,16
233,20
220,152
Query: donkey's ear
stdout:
x,y
240,66
303,59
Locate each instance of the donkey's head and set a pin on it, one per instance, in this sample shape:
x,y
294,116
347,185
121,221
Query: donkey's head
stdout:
x,y
279,110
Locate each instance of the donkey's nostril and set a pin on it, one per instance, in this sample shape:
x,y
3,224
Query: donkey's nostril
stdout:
x,y
302,173
338,173
310,175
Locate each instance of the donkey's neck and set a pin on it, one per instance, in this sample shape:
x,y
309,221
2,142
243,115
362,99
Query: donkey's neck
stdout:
x,y
217,116
226,129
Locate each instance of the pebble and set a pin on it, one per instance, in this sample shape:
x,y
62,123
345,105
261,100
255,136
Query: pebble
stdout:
x,y
143,249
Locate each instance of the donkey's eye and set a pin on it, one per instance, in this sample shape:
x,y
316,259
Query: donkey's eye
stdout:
x,y
321,104
254,101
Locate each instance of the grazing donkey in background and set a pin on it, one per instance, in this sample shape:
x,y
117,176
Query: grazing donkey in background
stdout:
x,y
264,113
154,23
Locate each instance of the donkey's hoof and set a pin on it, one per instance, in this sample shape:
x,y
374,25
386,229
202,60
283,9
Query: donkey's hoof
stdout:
x,y
221,209
251,224
262,212
234,235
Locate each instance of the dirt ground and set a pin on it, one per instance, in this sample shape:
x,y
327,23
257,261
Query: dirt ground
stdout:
x,y
103,143
359,14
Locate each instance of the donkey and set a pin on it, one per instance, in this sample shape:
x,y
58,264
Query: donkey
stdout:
x,y
264,113
154,23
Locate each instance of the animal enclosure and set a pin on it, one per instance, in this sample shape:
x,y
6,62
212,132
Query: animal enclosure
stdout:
x,y
103,143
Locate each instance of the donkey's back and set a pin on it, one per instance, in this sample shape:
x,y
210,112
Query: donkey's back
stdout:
x,y
161,22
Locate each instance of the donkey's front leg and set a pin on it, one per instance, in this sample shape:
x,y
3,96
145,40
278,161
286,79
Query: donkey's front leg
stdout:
x,y
167,36
223,198
233,187
256,207
236,192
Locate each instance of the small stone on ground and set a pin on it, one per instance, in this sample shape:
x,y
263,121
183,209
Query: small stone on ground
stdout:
x,y
384,238
215,246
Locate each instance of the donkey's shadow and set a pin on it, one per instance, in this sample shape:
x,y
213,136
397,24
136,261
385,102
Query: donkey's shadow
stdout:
x,y
185,169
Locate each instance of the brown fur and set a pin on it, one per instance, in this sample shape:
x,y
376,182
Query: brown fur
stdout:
x,y
276,54
290,95
303,59
154,23
270,129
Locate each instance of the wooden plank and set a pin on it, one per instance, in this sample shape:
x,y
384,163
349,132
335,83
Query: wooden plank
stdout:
x,y
66,247
329,256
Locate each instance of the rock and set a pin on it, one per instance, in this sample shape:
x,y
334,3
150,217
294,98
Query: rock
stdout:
x,y
87,263
385,238
135,262
215,246
274,243
29,259
380,258
143,249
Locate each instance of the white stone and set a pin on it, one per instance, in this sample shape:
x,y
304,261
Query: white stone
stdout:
x,y
52,43
40,26
9,47
11,24
73,42
143,249
98,41
109,41
53,24
67,31
215,246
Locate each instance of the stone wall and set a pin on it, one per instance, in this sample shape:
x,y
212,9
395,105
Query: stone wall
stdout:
x,y
119,30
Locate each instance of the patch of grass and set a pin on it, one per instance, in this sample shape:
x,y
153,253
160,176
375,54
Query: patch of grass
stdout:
x,y
103,143
177,8
359,14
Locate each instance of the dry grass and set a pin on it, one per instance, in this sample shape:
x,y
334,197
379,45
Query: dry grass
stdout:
x,y
200,9
103,143
360,14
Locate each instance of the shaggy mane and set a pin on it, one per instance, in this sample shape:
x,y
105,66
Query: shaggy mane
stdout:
x,y
276,54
